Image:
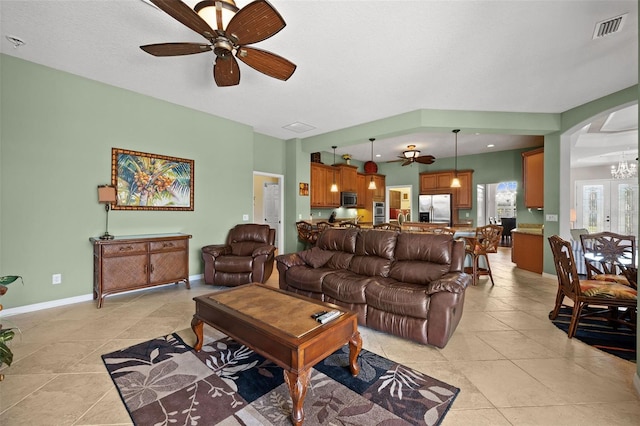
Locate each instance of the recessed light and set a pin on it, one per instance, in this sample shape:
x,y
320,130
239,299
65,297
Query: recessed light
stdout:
x,y
378,155
490,145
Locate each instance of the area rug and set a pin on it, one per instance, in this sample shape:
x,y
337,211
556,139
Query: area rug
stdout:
x,y
164,381
599,333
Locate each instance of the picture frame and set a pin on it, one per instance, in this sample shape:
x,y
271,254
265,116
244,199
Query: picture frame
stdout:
x,y
147,181
303,189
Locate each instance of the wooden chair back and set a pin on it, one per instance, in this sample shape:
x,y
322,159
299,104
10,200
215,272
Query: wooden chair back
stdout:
x,y
565,264
615,250
388,227
488,238
306,233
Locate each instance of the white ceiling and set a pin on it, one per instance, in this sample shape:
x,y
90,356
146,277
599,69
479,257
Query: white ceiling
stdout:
x,y
358,61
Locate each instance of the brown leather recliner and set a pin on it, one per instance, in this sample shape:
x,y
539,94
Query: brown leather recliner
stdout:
x,y
246,257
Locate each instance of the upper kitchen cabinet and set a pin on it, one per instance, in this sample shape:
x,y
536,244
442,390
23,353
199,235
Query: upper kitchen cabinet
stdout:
x,y
533,178
363,184
440,183
348,177
321,179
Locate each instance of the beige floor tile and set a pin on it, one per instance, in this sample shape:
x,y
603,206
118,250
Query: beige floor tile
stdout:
x,y
559,415
16,387
575,383
519,320
61,401
483,417
109,410
506,385
480,321
557,340
57,357
469,346
515,345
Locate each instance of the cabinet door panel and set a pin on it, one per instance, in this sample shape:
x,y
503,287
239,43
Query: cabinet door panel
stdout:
x,y
124,272
168,245
168,267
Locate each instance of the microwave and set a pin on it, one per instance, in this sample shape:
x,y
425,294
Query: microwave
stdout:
x,y
348,199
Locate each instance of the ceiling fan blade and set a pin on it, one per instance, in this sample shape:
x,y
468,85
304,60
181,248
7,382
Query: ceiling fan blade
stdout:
x,y
175,49
425,159
226,71
266,62
407,162
255,22
186,16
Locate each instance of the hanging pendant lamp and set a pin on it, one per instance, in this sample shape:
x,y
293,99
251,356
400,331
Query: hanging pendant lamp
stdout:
x,y
455,183
334,185
372,183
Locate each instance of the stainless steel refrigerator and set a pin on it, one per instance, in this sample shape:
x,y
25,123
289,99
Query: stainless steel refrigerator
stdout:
x,y
435,208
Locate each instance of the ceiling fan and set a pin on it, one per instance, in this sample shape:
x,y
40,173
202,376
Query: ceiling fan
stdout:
x,y
412,155
227,30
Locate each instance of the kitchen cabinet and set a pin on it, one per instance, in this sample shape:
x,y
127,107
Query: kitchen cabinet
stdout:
x,y
527,250
363,184
134,262
348,178
379,193
395,199
321,179
440,183
533,178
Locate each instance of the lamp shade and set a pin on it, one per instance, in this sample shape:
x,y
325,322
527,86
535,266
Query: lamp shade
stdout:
x,y
106,194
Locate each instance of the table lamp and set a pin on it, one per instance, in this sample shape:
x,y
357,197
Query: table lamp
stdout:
x,y
106,196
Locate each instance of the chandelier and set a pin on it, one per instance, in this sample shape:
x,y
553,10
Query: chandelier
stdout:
x,y
624,170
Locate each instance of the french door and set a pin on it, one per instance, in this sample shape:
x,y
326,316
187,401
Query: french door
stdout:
x,y
607,205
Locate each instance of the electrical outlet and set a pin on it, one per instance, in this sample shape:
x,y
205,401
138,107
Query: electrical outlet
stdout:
x,y
300,216
56,279
245,217
466,214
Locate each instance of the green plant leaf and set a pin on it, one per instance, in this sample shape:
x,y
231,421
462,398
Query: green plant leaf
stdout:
x,y
8,279
6,356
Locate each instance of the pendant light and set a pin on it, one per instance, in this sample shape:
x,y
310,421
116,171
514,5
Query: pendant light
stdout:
x,y
372,183
455,183
334,185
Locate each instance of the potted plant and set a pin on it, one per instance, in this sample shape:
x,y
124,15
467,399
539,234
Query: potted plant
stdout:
x,y
6,334
347,158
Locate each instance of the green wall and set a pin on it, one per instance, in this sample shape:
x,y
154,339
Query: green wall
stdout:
x,y
57,131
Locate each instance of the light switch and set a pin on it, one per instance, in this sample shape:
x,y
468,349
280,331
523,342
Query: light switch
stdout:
x,y
552,218
245,217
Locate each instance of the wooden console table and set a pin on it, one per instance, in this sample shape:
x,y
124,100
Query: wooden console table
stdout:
x,y
138,261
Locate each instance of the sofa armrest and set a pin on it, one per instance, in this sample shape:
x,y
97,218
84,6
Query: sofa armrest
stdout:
x,y
453,282
265,250
289,260
216,250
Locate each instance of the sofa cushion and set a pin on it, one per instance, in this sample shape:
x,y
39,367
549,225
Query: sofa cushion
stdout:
x,y
306,278
374,251
421,258
345,286
234,264
244,248
316,257
338,240
340,260
395,297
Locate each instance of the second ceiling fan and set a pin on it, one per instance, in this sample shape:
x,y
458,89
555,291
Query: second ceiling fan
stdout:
x,y
227,30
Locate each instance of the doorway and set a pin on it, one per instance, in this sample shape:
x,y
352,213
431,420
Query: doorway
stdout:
x,y
399,202
607,205
268,203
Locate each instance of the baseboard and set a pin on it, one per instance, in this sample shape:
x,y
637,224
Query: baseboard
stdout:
x,y
69,301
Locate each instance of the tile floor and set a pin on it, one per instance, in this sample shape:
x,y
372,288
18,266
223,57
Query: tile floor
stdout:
x,y
511,364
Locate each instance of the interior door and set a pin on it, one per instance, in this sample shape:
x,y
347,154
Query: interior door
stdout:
x,y
607,205
271,206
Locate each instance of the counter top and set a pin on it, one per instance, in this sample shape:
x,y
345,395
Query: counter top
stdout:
x,y
533,231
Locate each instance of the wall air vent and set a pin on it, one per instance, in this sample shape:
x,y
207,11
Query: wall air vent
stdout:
x,y
609,26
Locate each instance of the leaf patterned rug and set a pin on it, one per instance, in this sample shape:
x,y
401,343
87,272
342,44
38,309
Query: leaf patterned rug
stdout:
x,y
164,381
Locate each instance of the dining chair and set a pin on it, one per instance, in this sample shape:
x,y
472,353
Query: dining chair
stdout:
x,y
307,234
606,253
349,224
584,293
321,226
485,241
388,227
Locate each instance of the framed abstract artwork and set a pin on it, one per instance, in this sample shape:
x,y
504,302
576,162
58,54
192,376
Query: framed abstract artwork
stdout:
x,y
146,181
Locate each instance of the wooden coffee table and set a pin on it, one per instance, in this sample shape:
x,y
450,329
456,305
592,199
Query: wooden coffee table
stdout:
x,y
278,325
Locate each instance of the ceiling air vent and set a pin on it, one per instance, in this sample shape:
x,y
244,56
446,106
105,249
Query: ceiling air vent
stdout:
x,y
609,26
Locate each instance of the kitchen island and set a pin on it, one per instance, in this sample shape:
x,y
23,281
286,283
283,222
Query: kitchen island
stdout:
x,y
527,247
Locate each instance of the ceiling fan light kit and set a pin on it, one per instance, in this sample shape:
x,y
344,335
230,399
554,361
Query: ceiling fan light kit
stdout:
x,y
412,155
228,30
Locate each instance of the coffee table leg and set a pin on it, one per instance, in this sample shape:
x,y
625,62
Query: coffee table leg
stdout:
x,y
197,327
355,344
298,384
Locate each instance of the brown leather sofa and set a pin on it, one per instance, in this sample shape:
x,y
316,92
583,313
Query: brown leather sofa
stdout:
x,y
407,284
246,257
